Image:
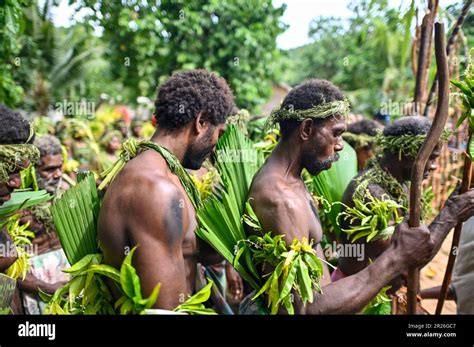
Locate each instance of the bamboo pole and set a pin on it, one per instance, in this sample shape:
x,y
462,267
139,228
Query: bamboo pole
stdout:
x,y
432,139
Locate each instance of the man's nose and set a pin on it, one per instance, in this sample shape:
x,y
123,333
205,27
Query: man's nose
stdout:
x,y
14,181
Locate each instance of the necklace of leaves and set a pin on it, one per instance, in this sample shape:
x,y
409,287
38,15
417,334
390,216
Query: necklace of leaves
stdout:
x,y
131,148
378,176
374,215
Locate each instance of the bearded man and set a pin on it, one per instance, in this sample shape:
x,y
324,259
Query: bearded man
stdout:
x,y
46,265
387,179
312,121
49,168
152,202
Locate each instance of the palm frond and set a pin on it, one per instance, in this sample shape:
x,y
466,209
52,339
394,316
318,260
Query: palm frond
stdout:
x,y
72,66
75,215
221,217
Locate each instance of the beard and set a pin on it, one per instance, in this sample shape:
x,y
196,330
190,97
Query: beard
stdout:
x,y
316,166
50,185
198,152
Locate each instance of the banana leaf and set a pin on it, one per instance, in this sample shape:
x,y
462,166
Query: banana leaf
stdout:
x,y
332,183
23,198
221,217
75,216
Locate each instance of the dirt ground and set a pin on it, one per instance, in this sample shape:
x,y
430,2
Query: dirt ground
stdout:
x,y
432,276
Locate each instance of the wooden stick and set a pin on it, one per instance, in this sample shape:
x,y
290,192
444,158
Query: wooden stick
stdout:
x,y
432,139
466,183
433,7
452,39
415,45
423,56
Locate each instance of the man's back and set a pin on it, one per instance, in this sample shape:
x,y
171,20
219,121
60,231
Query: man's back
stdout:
x,y
146,206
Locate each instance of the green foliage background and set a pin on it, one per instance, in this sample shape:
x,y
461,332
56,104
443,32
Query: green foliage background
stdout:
x,y
125,49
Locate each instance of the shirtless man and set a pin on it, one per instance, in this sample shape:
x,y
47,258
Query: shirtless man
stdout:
x,y
284,206
45,272
398,169
146,204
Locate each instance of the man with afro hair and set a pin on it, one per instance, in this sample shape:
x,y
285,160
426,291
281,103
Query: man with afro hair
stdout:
x,y
387,178
147,205
312,121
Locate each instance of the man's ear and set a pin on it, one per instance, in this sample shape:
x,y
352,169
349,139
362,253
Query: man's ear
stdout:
x,y
306,129
199,123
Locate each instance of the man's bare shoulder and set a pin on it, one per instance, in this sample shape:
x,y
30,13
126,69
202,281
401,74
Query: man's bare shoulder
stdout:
x,y
278,206
136,188
140,207
271,190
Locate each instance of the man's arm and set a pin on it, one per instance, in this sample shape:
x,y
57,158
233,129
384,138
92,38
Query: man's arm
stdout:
x,y
157,226
351,294
409,248
31,284
207,254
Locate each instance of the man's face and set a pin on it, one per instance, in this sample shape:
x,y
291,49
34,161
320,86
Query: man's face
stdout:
x,y
48,174
114,144
407,164
363,155
137,130
14,182
320,150
203,146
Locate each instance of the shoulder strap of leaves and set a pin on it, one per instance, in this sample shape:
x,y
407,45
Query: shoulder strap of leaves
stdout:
x,y
130,149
